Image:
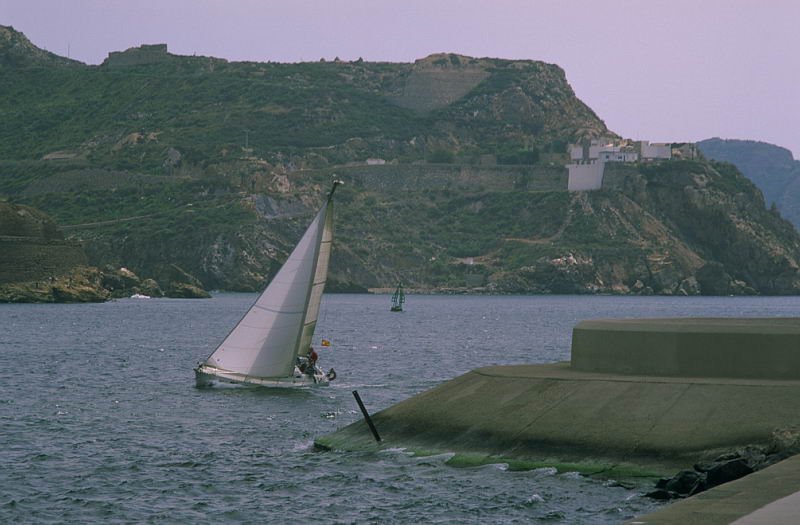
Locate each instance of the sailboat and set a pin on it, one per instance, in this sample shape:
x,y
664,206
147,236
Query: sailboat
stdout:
x,y
271,344
398,298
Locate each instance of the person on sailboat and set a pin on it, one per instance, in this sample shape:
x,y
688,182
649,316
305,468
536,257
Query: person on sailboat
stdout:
x,y
312,360
301,364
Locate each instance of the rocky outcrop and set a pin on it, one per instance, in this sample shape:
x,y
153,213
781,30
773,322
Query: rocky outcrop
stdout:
x,y
81,284
181,284
175,282
121,282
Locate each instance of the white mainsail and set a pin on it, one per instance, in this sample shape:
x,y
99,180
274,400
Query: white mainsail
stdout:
x,y
280,324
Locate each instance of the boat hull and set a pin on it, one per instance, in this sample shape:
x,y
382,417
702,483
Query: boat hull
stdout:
x,y
206,376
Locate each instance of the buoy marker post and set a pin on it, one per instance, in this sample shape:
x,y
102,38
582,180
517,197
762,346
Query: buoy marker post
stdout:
x,y
366,415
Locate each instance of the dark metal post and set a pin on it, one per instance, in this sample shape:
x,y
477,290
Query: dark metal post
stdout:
x,y
366,415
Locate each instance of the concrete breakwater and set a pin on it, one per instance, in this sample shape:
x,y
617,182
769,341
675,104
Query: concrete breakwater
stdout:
x,y
608,408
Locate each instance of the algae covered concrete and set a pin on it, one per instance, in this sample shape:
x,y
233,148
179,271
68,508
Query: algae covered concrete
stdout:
x,y
558,413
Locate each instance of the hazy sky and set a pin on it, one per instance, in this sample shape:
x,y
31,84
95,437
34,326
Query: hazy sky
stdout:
x,y
676,70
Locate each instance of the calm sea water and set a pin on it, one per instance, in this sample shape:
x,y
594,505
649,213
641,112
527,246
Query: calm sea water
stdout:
x,y
100,420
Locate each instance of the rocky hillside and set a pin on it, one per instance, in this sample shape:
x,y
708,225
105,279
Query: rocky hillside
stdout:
x,y
453,169
159,113
639,235
17,51
772,168
475,229
717,225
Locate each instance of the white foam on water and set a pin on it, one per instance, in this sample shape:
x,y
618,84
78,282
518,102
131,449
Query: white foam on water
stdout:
x,y
535,498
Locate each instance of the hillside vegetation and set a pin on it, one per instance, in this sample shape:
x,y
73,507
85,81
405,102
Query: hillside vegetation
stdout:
x,y
154,161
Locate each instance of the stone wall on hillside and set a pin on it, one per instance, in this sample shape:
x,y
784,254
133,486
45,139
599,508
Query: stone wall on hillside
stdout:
x,y
25,259
27,222
430,89
135,56
437,177
619,176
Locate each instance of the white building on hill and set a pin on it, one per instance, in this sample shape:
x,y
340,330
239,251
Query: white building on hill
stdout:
x,y
588,160
586,171
618,156
585,177
655,151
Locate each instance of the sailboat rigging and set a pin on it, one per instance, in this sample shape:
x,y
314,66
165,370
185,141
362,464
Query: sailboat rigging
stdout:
x,y
398,299
271,344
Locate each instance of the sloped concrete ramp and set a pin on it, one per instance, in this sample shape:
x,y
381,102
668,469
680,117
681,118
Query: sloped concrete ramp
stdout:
x,y
597,415
557,414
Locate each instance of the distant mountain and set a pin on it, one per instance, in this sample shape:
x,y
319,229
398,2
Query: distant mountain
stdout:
x,y
454,172
772,168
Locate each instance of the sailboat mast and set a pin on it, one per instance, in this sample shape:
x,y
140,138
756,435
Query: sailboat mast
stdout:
x,y
308,326
336,182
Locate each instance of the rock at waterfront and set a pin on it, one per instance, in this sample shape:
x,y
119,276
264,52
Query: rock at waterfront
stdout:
x,y
725,468
150,287
81,285
186,291
122,282
178,283
685,483
727,471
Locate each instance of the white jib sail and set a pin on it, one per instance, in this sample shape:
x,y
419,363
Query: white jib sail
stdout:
x,y
281,323
318,284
